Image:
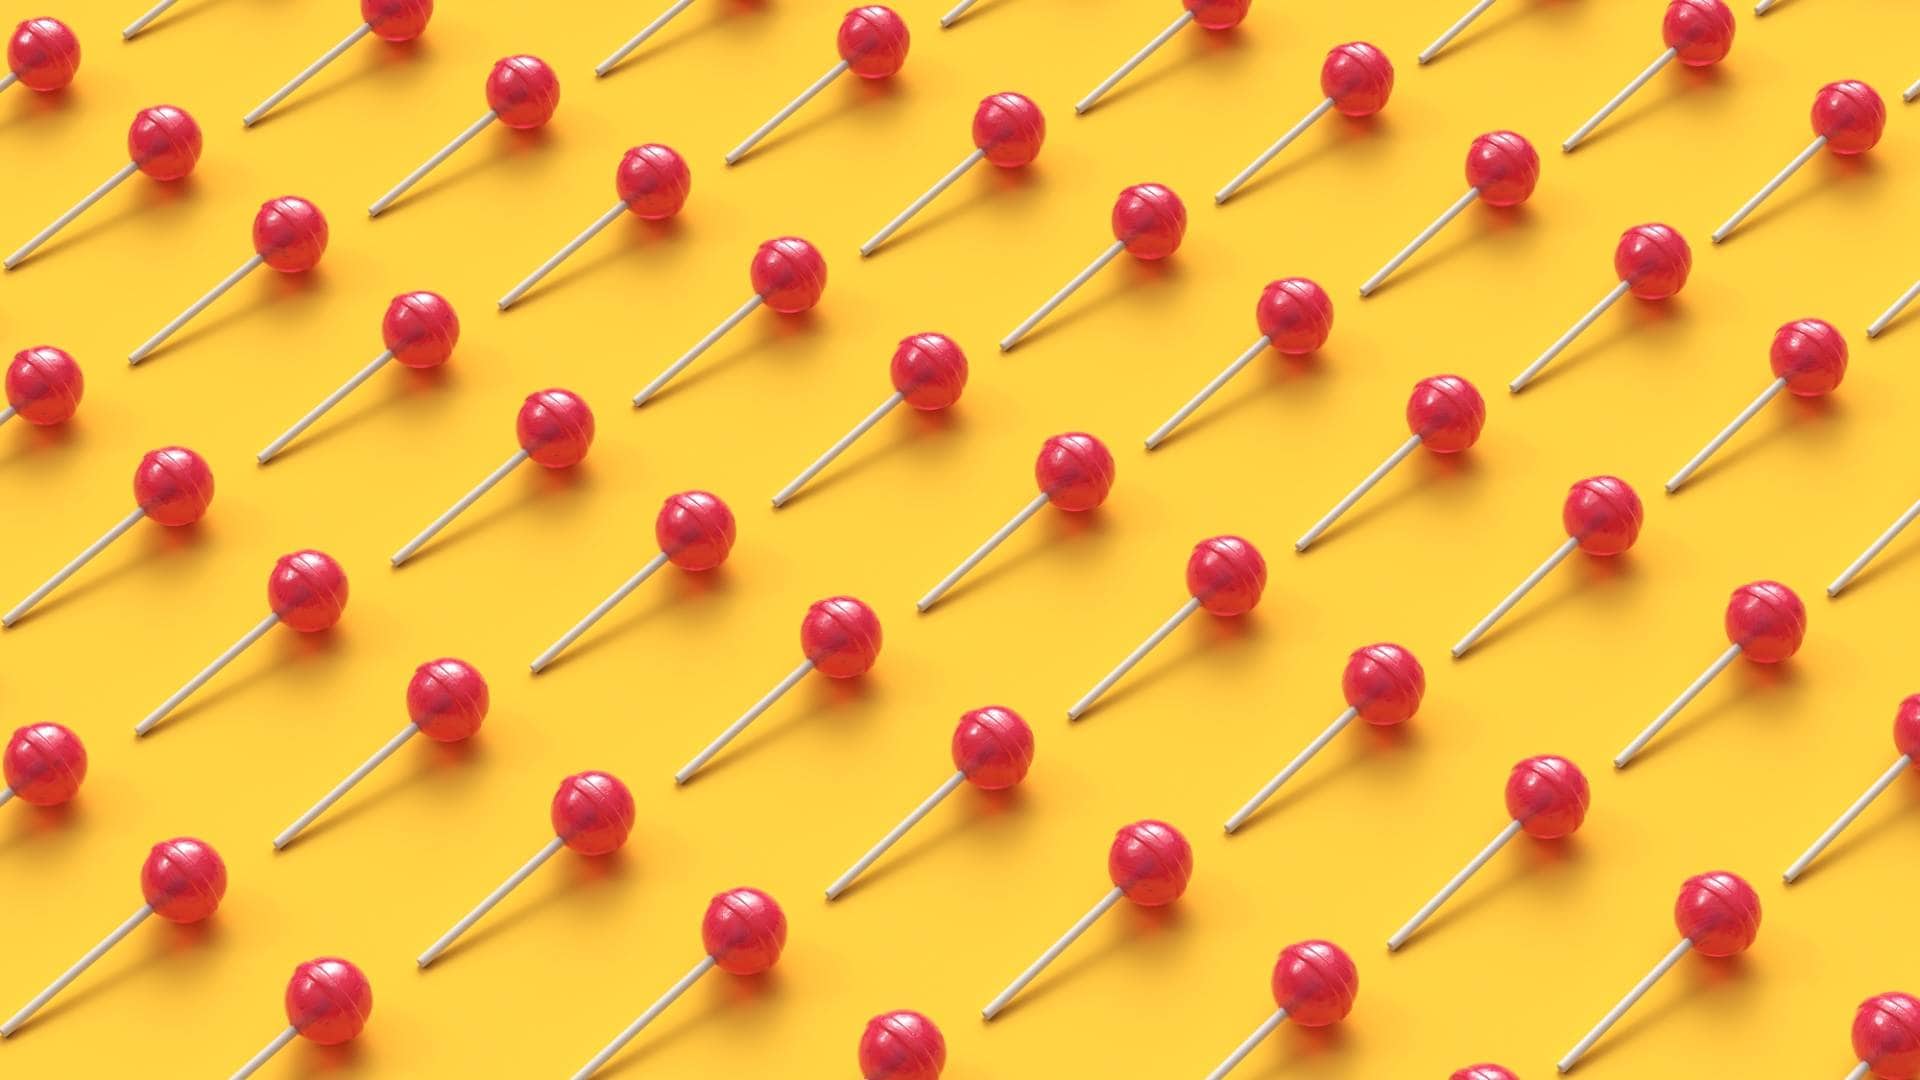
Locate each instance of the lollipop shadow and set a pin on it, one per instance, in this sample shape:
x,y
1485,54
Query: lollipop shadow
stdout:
x,y
668,40
1864,836
774,329
374,62
912,436
1139,275
1497,219
160,541
1886,564
1708,976
1692,81
1846,172
1141,923
1818,410
1754,679
146,197
997,186
1642,316
1084,527
1382,740
1526,866
35,824
1304,1044
278,287
441,764
1437,468
193,9
863,94
837,696
986,810
721,1007
1595,573
586,872
687,588
413,383
167,940
1202,48
1285,369
1350,129
641,234
28,107
1482,31
294,648
509,145
544,484
33,441
1221,633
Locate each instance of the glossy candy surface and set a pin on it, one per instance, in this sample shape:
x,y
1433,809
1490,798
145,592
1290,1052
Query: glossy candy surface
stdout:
x,y
308,590
1484,1072
873,41
183,880
1150,220
1767,620
1700,32
396,20
902,1045
1384,683
1358,77
164,142
789,274
1810,354
1074,471
1226,574
1315,982
555,428
1603,513
653,180
1218,14
993,746
695,529
1548,796
523,91
1009,128
1446,412
1296,314
1719,912
421,329
1504,167
1906,727
290,234
44,764
44,385
447,699
592,812
744,931
44,53
1851,116
328,1000
173,486
1886,1035
1653,260
1150,861
841,636
929,370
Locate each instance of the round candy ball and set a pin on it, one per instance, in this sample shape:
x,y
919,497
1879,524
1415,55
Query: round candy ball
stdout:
x,y
1150,861
163,142
1850,115
1295,314
447,699
421,329
523,92
695,530
929,371
44,764
1446,412
396,20
1218,14
308,590
592,812
1767,621
1810,354
789,274
1074,471
1226,574
1603,513
289,233
183,880
841,636
1886,1035
1548,796
1358,77
744,931
173,485
1906,727
1384,683
44,385
653,180
1009,129
44,53
1653,260
902,1045
1484,1072
1718,912
993,746
1699,31
1315,982
328,1000
1503,167
1150,220
873,41
555,428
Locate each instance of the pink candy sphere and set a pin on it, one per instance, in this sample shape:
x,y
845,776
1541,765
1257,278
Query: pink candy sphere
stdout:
x,y
173,486
420,329
1653,260
1886,1035
447,699
1150,861
44,385
873,41
523,92
1358,77
1150,220
1767,621
841,636
164,142
1447,413
1295,314
1218,14
1718,912
1810,354
695,530
44,53
1906,727
555,428
1315,982
902,1045
328,1000
789,274
396,20
1503,167
1484,1072
929,371
1226,574
744,931
1603,513
290,234
183,880
993,746
1548,796
44,764
1009,129
1850,115
653,180
1074,471
1384,683
592,812
308,590
1699,31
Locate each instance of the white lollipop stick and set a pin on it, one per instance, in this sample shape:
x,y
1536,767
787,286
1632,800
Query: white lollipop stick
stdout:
x,y
454,511
1160,433
1318,744
1500,610
1859,805
72,973
1060,297
393,745
278,1044
1139,58
599,612
893,836
960,9
432,163
312,69
1773,185
1053,953
552,848
6,793
564,253
1266,1028
920,203
1761,7
1640,741
1613,1015
1862,1071
1726,433
206,674
672,995
1272,152
734,729
73,567
780,497
1453,31
699,347
1521,380
140,23
1619,99
66,219
1853,569
1911,92
1192,605
640,38
1452,886
273,448
933,596
1899,305
196,308
792,107
1357,493
1454,211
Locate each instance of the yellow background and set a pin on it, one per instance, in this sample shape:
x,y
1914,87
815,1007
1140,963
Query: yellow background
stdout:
x,y
1514,970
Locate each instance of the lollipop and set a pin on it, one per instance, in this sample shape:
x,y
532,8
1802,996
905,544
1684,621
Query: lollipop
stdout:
x,y
1847,119
1484,1072
171,485
1453,31
1651,262
289,235
1149,863
841,639
328,1001
1809,357
873,45
1853,569
43,764
162,142
182,880
1225,575
928,373
788,275
1899,305
446,701
1698,33
1502,168
1356,79
1718,915
1074,472
554,428
743,933
652,181
420,330
44,386
1906,739
1007,130
1314,983
1294,316
992,748
1886,1037
695,532
42,55
1383,685
902,1045
1602,517
394,21
1210,14
522,92
1765,622
1445,415
591,813
1546,796
1148,223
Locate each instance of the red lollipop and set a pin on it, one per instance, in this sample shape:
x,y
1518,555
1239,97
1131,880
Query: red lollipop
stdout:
x,y
1007,131
652,182
1886,1037
1074,472
1484,1072
743,933
522,92
1210,14
1546,798
554,427
1383,685
328,1001
1718,915
1314,983
1149,863
163,142
592,813
1602,517
44,386
1357,79
1847,119
695,531
1906,739
289,235
928,372
1651,262
1445,415
43,764
171,485
42,55
788,275
841,639
1808,357
392,21
902,1045
1294,315
1502,168
1765,622
182,881
992,749
1148,221
873,45
1698,33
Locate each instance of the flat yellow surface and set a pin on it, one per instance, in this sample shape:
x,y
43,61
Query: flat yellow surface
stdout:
x,y
1514,970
